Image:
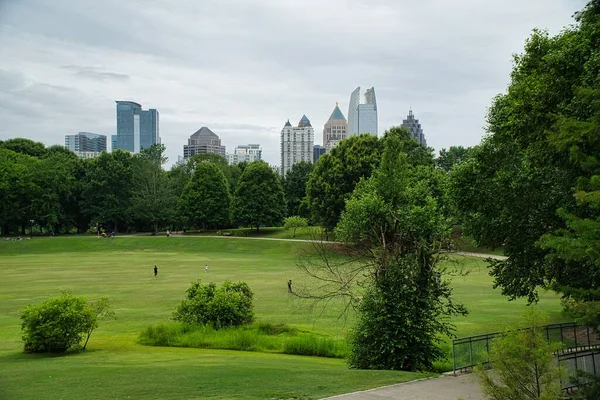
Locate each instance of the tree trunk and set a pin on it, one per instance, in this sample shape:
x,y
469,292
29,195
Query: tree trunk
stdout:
x,y
257,228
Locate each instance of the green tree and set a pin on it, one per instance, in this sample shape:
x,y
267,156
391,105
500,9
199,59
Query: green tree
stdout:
x,y
17,189
225,306
153,198
259,197
60,323
294,187
336,174
525,187
206,200
454,155
524,365
395,231
24,146
295,222
107,188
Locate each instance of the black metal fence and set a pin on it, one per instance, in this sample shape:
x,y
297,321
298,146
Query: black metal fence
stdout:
x,y
470,351
587,361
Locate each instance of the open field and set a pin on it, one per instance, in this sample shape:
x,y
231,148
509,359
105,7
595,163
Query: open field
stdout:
x,y
115,366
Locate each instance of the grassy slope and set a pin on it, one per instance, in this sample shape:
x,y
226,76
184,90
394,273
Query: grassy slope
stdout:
x,y
116,367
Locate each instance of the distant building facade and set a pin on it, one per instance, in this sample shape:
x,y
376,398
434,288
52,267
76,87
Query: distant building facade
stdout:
x,y
137,129
362,118
414,127
86,141
203,141
248,153
335,129
296,144
318,151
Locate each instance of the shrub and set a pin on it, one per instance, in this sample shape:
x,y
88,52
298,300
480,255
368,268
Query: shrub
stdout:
x,y
229,305
61,323
295,222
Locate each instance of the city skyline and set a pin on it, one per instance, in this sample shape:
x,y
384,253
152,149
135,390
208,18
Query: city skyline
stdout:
x,y
64,65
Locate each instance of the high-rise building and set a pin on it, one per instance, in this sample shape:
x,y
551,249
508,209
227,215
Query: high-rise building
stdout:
x,y
414,127
86,141
318,151
137,129
203,141
296,144
362,118
336,129
248,153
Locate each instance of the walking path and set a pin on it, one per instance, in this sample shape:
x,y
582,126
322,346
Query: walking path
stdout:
x,y
460,253
446,387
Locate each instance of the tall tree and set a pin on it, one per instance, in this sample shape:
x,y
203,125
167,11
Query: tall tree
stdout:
x,y
336,174
259,197
294,187
395,229
205,202
153,198
17,190
107,188
519,185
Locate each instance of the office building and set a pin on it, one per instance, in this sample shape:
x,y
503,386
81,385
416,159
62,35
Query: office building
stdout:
x,y
318,151
362,118
137,129
247,153
414,127
86,141
296,144
203,141
335,129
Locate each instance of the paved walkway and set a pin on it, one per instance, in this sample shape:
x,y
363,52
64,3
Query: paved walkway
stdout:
x,y
460,253
443,388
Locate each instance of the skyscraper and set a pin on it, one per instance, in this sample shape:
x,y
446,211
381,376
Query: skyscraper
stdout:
x,y
136,128
318,151
296,144
414,127
362,118
203,141
336,129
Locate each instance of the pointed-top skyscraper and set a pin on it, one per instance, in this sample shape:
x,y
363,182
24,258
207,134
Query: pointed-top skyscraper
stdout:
x,y
362,118
296,143
336,129
414,127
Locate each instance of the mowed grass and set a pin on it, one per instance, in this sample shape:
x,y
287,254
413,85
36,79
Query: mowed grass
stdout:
x,y
115,366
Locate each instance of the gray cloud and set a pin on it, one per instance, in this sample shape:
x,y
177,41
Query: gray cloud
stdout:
x,y
95,73
243,67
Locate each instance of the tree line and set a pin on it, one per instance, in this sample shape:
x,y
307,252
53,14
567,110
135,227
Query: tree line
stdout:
x,y
55,191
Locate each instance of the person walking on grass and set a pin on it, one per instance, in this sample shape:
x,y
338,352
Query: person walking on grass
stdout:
x,y
205,267
155,271
290,286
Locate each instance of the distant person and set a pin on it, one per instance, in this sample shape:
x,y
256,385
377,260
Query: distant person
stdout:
x,y
290,286
112,234
168,233
155,271
205,267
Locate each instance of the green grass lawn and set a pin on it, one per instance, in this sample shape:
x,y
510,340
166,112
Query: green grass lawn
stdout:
x,y
115,366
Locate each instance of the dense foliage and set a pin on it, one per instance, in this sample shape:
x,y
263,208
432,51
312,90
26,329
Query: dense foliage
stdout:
x,y
61,323
532,184
258,199
220,307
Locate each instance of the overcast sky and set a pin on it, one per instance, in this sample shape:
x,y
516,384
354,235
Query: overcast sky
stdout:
x,y
243,67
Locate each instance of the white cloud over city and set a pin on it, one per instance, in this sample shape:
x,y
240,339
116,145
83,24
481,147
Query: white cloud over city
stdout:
x,y
244,67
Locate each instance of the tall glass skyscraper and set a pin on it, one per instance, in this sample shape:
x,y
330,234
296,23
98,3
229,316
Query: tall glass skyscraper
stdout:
x,y
136,128
414,127
362,118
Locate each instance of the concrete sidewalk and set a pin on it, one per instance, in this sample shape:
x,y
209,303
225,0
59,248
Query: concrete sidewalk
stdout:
x,y
442,388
